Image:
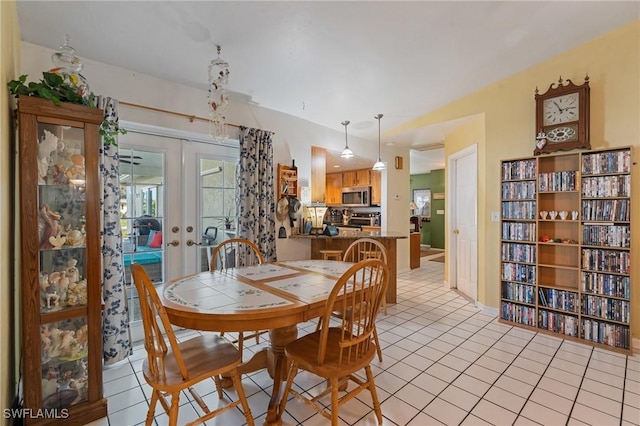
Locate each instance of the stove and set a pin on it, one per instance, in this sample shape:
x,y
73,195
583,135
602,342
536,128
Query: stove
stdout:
x,y
365,219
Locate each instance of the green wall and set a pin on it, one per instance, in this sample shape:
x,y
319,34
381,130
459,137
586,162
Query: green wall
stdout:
x,y
432,233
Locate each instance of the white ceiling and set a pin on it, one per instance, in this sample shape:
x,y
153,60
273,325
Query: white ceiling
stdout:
x,y
330,61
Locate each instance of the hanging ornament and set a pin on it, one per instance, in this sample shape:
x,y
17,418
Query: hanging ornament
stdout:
x,y
218,98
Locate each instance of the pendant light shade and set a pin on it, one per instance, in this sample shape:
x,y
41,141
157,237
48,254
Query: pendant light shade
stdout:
x,y
346,152
379,165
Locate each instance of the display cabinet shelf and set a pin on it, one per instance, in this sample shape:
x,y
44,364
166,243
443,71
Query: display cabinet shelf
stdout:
x,y
566,245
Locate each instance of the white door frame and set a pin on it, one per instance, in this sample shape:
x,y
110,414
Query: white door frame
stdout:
x,y
451,219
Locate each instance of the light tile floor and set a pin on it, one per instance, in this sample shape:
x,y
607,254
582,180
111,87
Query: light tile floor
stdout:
x,y
445,362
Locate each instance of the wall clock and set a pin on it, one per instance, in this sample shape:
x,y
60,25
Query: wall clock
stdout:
x,y
562,117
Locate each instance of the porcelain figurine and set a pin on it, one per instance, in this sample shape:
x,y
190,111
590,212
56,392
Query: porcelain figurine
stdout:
x,y
63,286
48,144
44,281
76,170
75,238
72,270
50,226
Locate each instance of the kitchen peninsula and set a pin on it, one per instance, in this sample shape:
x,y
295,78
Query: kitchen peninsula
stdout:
x,y
344,239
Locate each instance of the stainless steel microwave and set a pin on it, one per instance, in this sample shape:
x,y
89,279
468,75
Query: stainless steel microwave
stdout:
x,y
356,196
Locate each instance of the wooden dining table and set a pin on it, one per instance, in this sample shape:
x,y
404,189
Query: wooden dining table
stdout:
x,y
274,296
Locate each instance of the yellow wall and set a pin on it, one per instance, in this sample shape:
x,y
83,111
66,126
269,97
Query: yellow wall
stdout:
x,y
9,66
613,65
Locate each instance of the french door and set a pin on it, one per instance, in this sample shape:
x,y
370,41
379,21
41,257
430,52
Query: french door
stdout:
x,y
176,193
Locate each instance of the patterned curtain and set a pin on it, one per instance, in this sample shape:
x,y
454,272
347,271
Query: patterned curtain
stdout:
x,y
255,203
116,337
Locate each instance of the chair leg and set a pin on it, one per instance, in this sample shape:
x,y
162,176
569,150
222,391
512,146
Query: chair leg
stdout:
x,y
374,394
375,339
237,383
334,400
240,342
293,371
152,407
173,411
218,381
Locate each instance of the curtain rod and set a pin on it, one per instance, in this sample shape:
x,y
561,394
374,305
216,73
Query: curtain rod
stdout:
x,y
191,118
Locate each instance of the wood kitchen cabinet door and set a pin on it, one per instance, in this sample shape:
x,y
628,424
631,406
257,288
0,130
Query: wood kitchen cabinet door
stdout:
x,y
376,187
349,179
362,177
318,174
334,188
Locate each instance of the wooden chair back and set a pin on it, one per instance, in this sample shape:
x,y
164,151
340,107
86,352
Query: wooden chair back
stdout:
x,y
159,339
165,370
365,248
358,294
235,252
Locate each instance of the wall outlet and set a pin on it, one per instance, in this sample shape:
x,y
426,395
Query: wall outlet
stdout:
x,y
495,216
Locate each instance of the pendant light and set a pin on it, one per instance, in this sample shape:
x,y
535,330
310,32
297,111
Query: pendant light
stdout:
x,y
346,152
379,165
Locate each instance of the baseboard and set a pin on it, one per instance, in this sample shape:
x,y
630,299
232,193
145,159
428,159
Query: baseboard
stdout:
x,y
446,285
488,310
635,345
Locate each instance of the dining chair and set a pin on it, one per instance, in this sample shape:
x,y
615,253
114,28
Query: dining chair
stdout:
x,y
367,248
337,350
172,366
236,252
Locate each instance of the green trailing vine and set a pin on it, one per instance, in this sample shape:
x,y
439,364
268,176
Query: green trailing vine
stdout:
x,y
54,88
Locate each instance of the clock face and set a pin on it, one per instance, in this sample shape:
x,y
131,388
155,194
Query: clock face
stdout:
x,y
561,134
561,109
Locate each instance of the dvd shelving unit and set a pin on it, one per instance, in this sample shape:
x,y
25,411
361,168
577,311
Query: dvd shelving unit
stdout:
x,y
566,246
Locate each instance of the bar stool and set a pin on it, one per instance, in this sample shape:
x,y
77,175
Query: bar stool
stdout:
x,y
331,254
370,255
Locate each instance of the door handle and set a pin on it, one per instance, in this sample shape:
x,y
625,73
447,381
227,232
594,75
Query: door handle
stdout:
x,y
174,243
193,243
456,231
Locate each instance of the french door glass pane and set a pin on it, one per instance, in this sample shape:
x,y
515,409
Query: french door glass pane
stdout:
x,y
142,206
217,201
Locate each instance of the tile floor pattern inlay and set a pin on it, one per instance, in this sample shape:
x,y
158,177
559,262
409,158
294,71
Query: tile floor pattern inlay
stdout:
x,y
445,362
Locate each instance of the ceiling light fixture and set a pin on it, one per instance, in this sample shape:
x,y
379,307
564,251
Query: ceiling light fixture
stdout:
x,y
346,152
379,165
218,98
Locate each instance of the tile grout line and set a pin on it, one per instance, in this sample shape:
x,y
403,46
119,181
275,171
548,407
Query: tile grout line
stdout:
x,y
579,389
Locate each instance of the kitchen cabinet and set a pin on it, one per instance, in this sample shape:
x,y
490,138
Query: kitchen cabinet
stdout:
x,y
362,177
60,289
356,178
318,174
376,187
334,189
349,178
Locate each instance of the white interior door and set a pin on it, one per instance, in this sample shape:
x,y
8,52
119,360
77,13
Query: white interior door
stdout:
x,y
171,191
463,219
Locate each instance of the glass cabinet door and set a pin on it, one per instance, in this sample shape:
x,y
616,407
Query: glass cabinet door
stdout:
x,y
62,264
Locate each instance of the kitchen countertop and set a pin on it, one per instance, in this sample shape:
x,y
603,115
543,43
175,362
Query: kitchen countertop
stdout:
x,y
355,234
343,240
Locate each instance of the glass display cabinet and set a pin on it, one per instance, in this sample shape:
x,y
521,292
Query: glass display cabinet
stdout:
x,y
60,275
